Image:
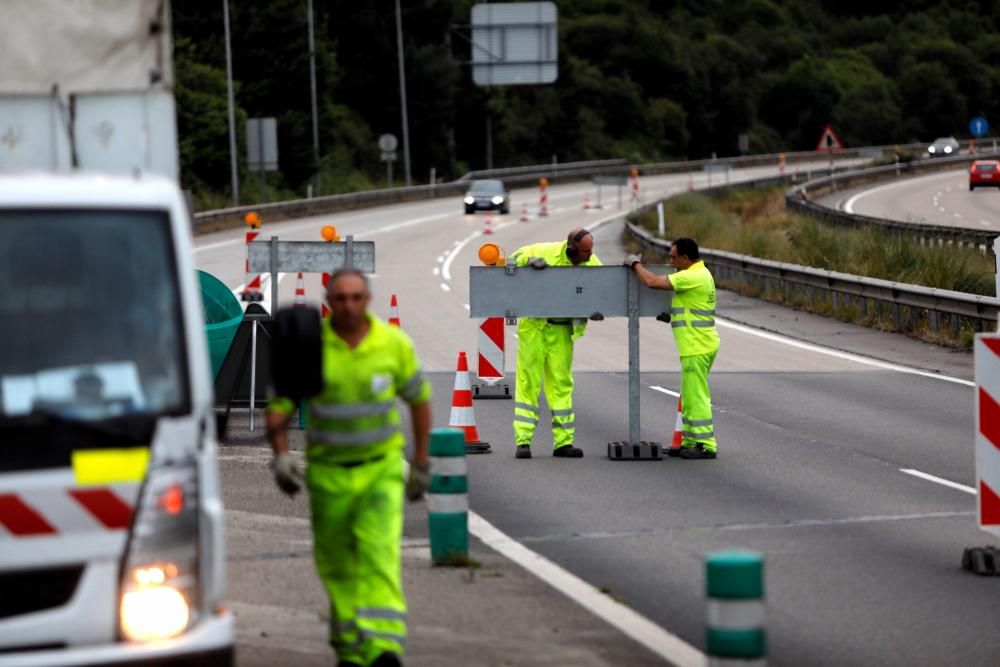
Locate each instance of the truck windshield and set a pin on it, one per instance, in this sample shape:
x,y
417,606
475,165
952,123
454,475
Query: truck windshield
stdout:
x,y
91,316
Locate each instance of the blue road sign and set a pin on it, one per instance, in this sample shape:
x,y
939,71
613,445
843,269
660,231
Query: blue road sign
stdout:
x,y
978,126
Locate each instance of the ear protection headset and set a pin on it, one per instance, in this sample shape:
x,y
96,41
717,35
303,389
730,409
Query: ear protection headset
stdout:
x,y
571,250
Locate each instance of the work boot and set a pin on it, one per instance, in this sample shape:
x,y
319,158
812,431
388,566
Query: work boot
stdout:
x,y
523,452
387,659
696,452
568,452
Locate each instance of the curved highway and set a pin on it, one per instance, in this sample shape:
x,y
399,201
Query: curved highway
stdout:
x,y
850,469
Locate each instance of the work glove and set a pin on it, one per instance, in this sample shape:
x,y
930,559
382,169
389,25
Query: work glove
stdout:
x,y
596,317
537,263
418,480
632,260
664,317
288,473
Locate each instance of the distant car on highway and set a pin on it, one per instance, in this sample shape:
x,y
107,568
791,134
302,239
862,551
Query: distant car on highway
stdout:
x,y
487,195
984,173
943,147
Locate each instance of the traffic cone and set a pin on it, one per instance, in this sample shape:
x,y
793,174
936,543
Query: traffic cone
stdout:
x,y
394,312
486,225
300,291
678,439
524,213
462,415
586,201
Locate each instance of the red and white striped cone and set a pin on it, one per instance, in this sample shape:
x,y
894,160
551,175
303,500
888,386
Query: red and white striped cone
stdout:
x,y
524,213
635,191
586,201
394,312
326,281
300,291
462,415
678,439
487,228
543,203
252,290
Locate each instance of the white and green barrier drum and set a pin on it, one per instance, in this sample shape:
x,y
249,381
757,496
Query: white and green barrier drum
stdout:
x,y
736,614
448,498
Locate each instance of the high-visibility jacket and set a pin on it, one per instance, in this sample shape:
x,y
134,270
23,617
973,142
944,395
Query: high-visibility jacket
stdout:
x,y
554,254
692,311
355,418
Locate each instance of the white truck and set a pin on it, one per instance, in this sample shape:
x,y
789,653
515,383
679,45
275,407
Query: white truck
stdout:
x,y
111,542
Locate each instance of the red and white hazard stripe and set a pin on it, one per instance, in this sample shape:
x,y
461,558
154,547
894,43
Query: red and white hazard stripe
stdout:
x,y
987,352
491,350
326,281
47,512
252,287
543,203
300,291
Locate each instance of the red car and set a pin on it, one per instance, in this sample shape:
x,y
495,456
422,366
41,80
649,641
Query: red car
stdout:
x,y
984,172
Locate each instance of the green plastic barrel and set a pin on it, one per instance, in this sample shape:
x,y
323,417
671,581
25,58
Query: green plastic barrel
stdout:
x,y
223,314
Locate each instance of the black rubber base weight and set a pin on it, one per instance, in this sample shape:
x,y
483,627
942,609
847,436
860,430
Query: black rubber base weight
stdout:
x,y
478,448
984,561
640,451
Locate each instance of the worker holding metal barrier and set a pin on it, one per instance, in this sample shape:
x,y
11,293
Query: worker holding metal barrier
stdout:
x,y
545,351
355,472
693,323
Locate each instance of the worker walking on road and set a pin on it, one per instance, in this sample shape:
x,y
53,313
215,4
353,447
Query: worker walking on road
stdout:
x,y
692,320
355,472
545,351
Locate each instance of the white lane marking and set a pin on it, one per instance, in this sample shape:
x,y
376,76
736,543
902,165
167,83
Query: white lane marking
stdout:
x,y
958,215
941,208
220,244
440,259
985,222
665,391
849,204
666,645
467,307
938,480
446,287
840,355
436,271
446,267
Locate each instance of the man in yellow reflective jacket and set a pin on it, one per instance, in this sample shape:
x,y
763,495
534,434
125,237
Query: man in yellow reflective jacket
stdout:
x,y
692,319
355,472
545,351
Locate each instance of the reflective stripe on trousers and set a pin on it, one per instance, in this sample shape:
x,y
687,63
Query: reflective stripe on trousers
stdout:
x,y
696,403
544,360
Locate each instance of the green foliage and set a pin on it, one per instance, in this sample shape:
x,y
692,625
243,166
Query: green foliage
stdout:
x,y
646,81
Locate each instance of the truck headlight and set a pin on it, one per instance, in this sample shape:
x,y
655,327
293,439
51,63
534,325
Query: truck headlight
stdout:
x,y
497,200
159,588
470,200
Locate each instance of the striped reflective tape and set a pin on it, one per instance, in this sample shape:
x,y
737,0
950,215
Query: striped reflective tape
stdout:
x,y
736,614
447,503
491,349
47,511
448,466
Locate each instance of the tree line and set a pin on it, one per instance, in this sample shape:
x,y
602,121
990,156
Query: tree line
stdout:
x,y
645,80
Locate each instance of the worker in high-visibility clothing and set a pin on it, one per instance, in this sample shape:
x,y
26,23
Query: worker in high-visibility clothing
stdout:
x,y
692,319
545,351
355,470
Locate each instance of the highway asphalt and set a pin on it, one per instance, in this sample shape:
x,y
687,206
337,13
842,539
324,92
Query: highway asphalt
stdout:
x,y
816,428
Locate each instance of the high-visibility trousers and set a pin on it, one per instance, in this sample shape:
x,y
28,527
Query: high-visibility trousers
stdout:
x,y
696,401
544,352
357,522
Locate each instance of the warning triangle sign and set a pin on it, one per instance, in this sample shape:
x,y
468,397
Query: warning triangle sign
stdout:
x,y
829,142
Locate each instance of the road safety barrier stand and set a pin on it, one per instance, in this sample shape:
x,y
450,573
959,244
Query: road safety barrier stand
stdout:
x,y
524,213
634,199
985,561
491,345
239,375
577,292
734,584
448,498
543,202
252,290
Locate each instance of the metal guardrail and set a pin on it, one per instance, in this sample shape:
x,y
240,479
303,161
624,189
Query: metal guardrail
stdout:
x,y
797,199
904,303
